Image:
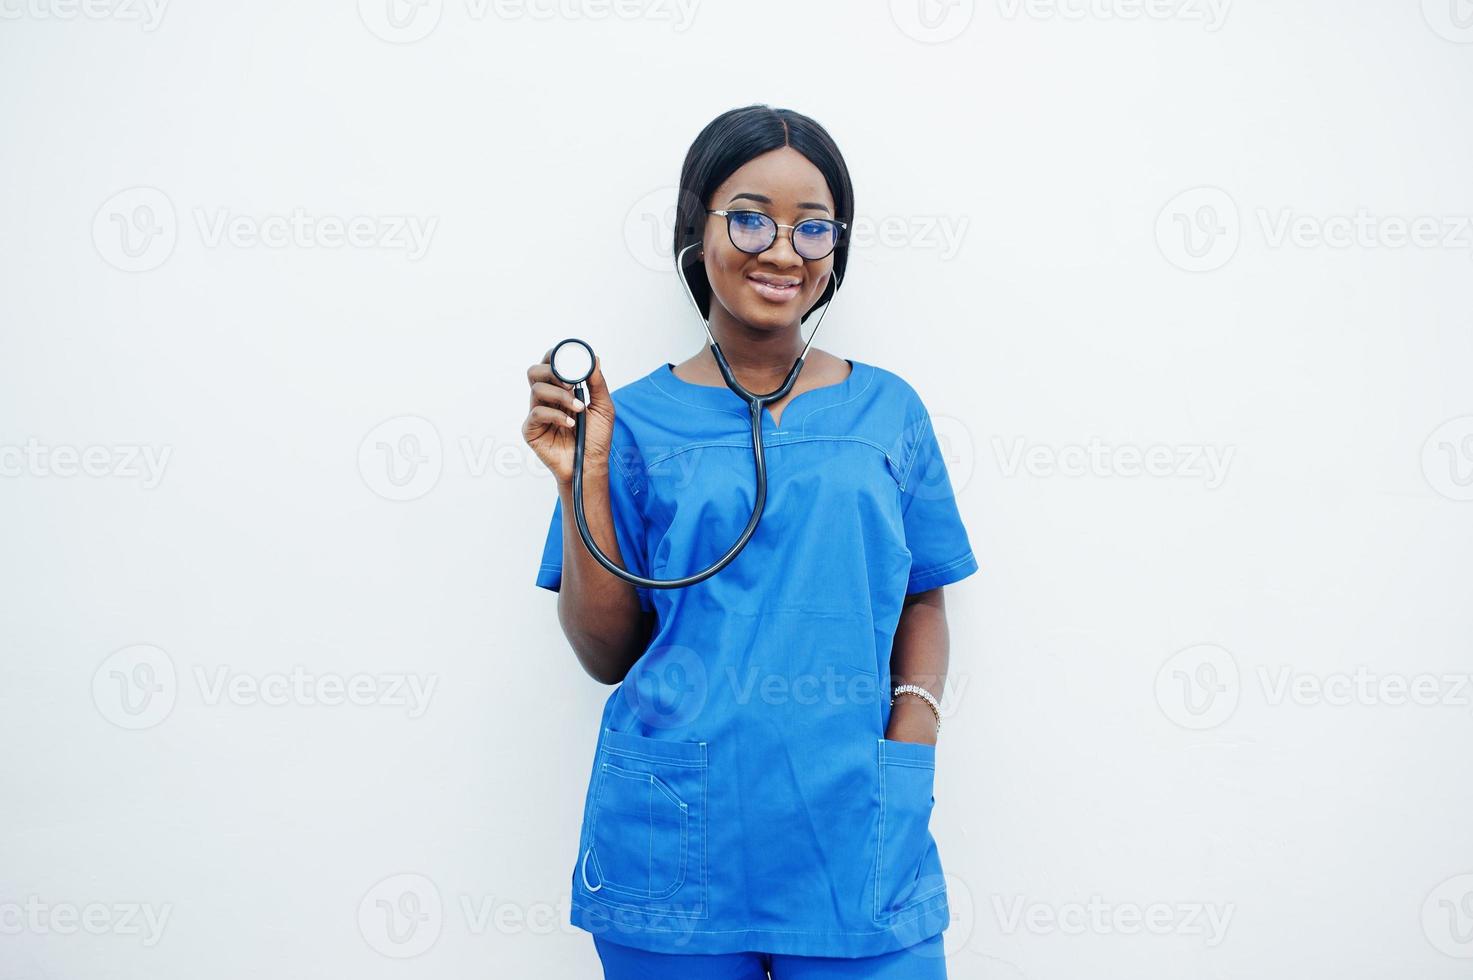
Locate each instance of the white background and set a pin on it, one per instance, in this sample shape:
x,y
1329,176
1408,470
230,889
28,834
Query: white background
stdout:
x,y
1105,227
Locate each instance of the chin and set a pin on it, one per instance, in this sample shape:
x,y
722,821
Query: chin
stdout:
x,y
769,318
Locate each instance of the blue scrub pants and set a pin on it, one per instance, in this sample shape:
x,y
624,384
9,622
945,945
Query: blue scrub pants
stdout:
x,y
923,961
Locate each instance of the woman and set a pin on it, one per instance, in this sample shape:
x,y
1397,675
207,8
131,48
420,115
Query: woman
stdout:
x,y
757,802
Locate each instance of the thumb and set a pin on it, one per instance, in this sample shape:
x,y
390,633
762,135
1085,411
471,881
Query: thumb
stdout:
x,y
598,389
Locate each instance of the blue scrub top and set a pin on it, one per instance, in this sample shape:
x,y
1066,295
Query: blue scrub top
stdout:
x,y
743,796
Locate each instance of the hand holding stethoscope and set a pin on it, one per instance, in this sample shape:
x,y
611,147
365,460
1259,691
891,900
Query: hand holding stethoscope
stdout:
x,y
549,426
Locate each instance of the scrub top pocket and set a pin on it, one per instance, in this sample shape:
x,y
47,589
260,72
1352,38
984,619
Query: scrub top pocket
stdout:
x,y
908,877
645,844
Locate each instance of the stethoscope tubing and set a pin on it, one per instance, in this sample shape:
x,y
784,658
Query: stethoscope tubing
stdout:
x,y
755,404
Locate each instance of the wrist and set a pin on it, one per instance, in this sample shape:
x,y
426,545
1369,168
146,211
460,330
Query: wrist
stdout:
x,y
911,721
595,475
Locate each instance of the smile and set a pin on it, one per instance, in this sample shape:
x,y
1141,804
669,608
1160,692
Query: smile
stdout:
x,y
774,292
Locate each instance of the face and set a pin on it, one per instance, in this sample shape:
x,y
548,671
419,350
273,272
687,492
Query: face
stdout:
x,y
770,290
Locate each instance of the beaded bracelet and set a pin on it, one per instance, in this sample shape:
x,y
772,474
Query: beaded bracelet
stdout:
x,y
924,695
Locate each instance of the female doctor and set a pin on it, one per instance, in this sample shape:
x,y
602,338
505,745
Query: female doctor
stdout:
x,y
760,795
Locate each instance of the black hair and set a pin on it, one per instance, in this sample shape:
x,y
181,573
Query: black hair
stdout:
x,y
729,141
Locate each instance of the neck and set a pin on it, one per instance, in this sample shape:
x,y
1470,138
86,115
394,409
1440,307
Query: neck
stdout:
x,y
758,354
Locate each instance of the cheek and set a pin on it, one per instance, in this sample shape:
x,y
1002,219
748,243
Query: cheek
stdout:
x,y
726,271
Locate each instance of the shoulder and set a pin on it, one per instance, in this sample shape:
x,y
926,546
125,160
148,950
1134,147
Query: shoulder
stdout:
x,y
634,400
893,390
906,419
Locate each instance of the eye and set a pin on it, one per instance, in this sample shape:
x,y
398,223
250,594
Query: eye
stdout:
x,y
815,228
748,220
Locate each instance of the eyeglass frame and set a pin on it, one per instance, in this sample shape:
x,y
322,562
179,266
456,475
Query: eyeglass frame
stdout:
x,y
727,212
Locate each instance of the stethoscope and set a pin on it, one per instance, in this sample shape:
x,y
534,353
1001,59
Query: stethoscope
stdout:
x,y
572,362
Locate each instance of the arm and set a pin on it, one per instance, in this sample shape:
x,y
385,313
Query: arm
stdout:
x,y
599,612
919,656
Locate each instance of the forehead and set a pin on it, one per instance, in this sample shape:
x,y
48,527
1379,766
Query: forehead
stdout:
x,y
783,174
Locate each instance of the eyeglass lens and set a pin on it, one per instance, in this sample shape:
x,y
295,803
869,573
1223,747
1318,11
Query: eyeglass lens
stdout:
x,y
753,231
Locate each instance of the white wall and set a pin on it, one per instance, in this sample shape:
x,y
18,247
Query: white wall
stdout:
x,y
1026,173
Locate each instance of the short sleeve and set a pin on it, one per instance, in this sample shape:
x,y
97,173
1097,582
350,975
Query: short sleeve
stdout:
x,y
629,528
940,550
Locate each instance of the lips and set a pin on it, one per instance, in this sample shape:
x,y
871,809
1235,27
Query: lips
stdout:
x,y
774,288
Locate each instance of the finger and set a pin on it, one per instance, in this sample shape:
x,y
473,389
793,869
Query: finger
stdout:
x,y
549,416
546,394
543,372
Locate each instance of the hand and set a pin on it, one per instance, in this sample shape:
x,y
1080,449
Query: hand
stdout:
x,y
548,427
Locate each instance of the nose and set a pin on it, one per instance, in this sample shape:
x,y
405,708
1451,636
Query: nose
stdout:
x,y
781,251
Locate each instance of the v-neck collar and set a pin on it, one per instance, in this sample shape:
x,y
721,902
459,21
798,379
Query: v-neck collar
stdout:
x,y
722,398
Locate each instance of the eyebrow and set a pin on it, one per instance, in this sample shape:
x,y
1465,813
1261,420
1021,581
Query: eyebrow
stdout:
x,y
764,199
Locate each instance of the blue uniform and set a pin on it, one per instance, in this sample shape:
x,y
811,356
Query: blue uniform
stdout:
x,y
743,796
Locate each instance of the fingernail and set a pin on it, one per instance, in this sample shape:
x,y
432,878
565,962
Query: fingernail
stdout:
x,y
568,419
577,404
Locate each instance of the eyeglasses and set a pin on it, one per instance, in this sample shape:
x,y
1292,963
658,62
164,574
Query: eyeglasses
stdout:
x,y
754,232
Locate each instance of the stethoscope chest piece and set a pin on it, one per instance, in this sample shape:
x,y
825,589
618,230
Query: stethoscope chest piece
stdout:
x,y
572,361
